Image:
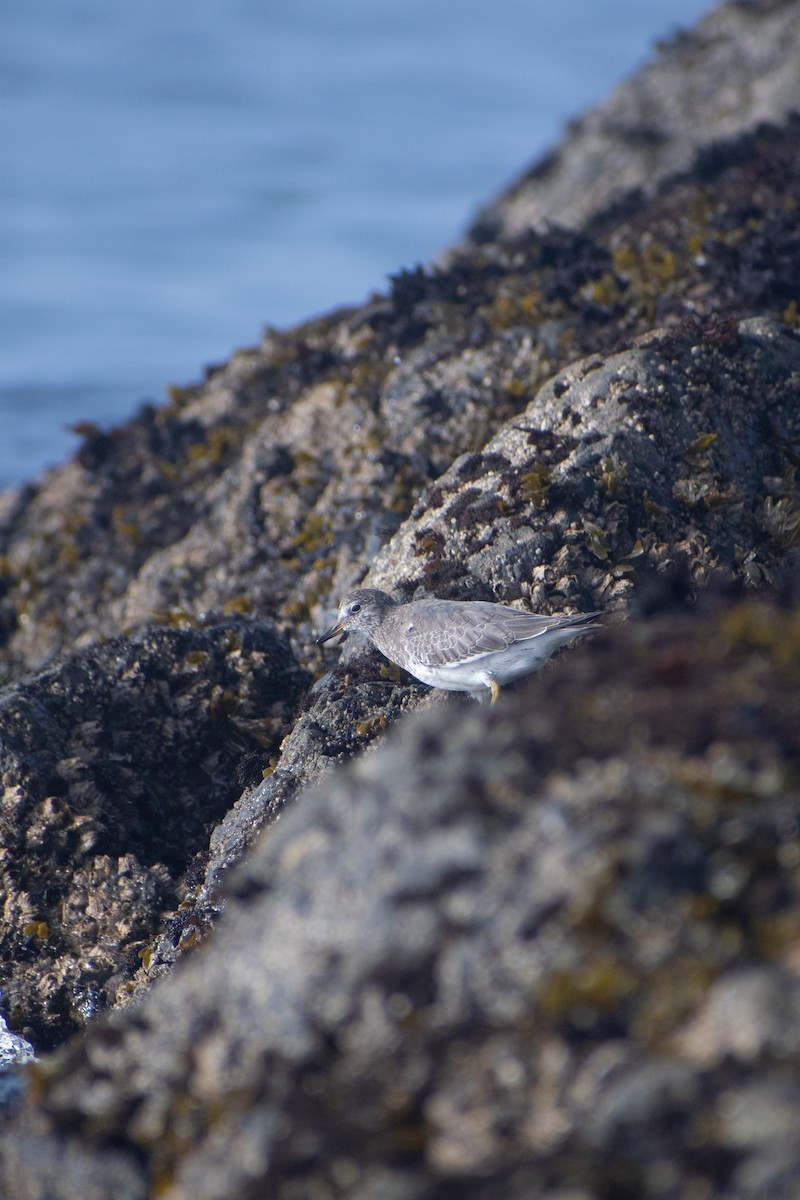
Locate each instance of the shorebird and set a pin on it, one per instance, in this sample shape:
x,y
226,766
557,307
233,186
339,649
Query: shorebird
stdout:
x,y
459,645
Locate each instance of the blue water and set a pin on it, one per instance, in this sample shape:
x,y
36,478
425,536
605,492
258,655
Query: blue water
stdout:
x,y
175,175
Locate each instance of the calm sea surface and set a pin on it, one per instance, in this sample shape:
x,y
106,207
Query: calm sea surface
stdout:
x,y
177,175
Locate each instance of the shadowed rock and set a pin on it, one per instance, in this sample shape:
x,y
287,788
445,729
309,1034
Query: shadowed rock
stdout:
x,y
114,765
542,945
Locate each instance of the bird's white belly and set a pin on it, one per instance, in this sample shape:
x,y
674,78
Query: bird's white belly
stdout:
x,y
501,666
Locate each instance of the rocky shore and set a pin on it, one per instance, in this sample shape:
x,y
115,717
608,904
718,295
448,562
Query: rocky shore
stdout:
x,y
280,921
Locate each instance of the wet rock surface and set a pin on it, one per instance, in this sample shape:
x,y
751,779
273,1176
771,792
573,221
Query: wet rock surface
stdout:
x,y
114,767
551,941
546,949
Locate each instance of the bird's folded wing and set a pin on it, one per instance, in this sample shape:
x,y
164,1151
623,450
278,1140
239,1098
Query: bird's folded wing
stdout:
x,y
454,635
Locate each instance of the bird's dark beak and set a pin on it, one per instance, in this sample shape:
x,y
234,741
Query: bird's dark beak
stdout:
x,y
331,633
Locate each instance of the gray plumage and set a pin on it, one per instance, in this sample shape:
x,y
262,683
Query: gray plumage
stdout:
x,y
460,645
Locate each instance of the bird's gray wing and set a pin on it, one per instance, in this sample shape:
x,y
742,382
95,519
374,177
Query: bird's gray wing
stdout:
x,y
440,633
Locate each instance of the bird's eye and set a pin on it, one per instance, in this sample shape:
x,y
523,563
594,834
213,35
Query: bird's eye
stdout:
x,y
354,608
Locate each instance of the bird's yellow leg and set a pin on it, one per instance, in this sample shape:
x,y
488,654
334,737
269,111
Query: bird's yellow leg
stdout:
x,y
495,689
